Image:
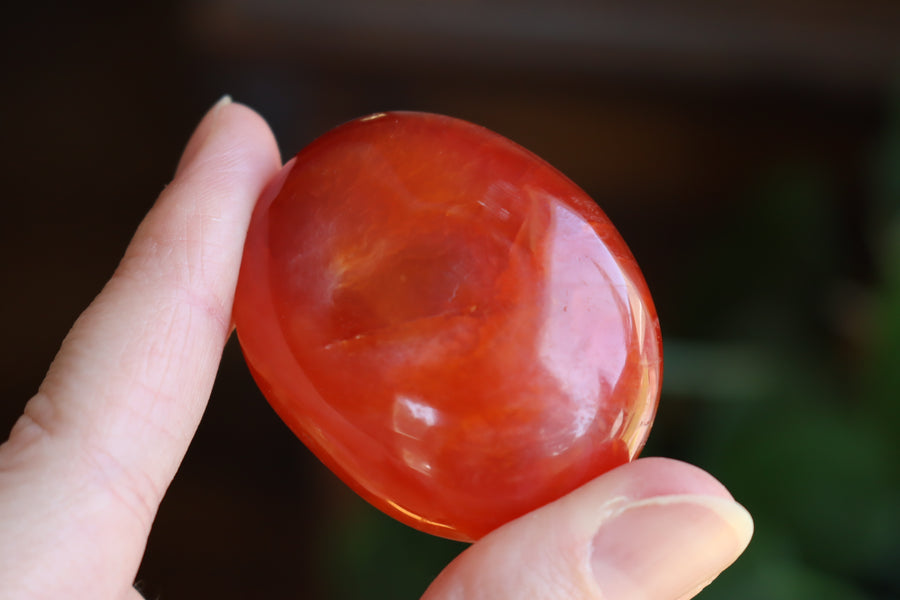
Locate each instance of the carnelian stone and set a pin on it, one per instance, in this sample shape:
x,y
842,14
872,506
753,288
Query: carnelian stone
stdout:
x,y
450,324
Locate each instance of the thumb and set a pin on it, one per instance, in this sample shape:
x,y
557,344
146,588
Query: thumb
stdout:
x,y
653,529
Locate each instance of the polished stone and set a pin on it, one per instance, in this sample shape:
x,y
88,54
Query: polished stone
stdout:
x,y
450,324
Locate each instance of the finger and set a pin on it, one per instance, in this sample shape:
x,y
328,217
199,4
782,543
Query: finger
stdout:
x,y
654,529
86,466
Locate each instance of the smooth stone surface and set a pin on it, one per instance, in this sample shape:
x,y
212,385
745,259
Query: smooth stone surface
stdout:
x,y
450,324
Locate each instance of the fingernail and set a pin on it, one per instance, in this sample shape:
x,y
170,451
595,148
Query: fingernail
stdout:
x,y
223,101
201,134
668,547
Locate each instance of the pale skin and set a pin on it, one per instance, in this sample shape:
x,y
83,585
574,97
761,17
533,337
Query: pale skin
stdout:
x,y
86,466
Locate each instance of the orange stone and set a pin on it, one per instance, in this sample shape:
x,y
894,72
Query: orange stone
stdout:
x,y
450,324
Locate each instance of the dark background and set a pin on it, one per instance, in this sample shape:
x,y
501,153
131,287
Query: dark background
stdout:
x,y
750,156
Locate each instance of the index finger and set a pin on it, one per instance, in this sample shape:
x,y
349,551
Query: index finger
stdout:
x,y
86,466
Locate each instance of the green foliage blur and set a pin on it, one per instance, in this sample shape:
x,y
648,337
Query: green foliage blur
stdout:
x,y
789,394
793,399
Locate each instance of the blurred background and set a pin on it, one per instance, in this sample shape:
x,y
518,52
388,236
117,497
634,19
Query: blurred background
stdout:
x,y
749,153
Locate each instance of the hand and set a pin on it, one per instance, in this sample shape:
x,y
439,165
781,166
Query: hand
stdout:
x,y
79,488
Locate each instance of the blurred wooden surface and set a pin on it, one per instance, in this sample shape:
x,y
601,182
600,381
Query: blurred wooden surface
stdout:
x,y
834,42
